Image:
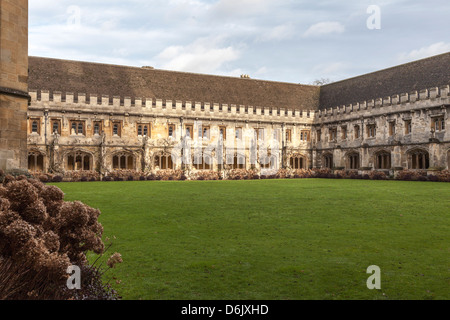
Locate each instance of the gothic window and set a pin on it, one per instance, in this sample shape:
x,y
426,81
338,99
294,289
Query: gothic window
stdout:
x,y
418,159
328,161
124,162
353,161
79,161
35,162
297,162
202,162
164,162
268,162
382,160
237,162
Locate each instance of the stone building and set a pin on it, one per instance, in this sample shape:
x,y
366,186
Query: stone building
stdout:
x,y
90,116
13,84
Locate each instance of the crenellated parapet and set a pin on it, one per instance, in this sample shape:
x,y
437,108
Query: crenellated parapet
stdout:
x,y
166,108
403,102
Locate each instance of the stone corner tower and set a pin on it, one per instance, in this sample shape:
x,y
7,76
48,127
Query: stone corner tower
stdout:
x,y
13,84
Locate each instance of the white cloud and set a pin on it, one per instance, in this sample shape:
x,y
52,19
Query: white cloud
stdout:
x,y
234,8
279,33
204,55
329,70
323,28
424,52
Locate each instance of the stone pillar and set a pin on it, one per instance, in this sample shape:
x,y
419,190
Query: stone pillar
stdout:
x,y
13,84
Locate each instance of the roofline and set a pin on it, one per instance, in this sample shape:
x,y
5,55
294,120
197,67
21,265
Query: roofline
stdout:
x,y
173,71
387,69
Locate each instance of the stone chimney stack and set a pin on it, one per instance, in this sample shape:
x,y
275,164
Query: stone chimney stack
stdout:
x,y
13,84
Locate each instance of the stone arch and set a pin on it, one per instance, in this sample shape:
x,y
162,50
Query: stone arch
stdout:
x,y
418,159
268,160
164,160
203,161
328,160
298,161
36,160
352,160
123,160
382,159
78,160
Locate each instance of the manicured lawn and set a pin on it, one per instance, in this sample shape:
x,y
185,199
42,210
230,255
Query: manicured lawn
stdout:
x,y
274,239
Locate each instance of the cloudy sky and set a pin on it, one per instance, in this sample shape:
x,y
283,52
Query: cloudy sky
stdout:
x,y
295,41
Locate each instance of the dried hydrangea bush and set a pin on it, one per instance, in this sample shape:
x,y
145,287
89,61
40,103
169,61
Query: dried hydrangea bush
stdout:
x,y
41,235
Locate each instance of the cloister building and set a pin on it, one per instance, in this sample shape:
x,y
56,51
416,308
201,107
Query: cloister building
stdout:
x,y
90,116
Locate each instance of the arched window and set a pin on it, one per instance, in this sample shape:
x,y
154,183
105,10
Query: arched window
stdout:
x,y
35,162
383,160
353,161
268,162
418,159
79,161
123,161
328,161
297,162
239,162
164,162
203,162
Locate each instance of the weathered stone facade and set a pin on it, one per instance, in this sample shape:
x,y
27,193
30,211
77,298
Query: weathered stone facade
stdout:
x,y
13,84
405,131
146,133
70,130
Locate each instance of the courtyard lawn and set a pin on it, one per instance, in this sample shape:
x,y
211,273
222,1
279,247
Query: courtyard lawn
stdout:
x,y
274,239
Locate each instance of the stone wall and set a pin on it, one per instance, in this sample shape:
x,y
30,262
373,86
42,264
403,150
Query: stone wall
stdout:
x,y
403,124
13,84
159,116
383,142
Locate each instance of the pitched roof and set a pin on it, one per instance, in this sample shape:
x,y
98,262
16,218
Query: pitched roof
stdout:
x,y
417,75
103,79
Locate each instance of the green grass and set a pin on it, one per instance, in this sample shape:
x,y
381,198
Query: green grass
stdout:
x,y
274,239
